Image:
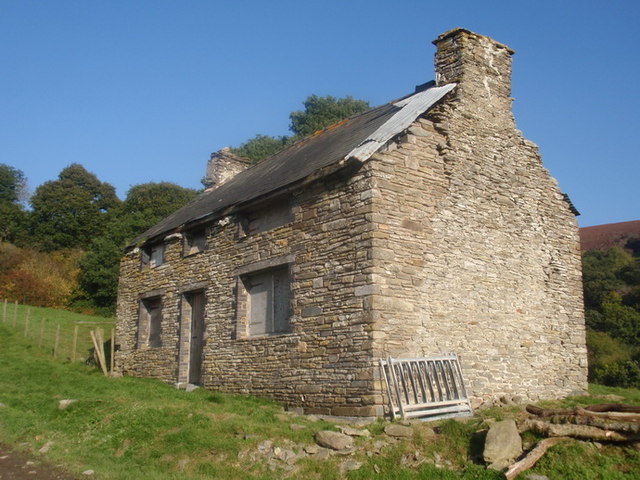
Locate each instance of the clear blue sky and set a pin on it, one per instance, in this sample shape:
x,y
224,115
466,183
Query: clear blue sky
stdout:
x,y
145,90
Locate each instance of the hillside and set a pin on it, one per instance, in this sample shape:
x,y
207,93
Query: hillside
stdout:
x,y
603,237
123,428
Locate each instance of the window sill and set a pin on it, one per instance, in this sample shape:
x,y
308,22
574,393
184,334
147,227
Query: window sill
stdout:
x,y
147,268
192,254
266,336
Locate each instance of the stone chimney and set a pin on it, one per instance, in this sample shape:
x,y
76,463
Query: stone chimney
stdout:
x,y
222,166
479,65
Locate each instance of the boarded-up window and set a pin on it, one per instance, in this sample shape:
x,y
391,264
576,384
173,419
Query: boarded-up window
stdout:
x,y
153,255
268,301
195,241
269,216
150,323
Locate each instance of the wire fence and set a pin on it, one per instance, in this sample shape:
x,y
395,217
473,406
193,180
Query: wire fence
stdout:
x,y
64,337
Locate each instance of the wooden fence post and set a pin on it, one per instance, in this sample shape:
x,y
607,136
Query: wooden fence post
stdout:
x,y
55,347
26,322
15,313
75,343
99,347
4,312
41,333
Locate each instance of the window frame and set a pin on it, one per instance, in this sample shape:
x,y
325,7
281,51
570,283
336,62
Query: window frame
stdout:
x,y
266,216
194,239
150,321
261,293
147,257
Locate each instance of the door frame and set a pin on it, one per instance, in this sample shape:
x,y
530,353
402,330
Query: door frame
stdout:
x,y
186,350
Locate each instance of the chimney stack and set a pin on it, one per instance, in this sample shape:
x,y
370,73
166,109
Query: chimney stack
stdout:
x,y
222,166
479,65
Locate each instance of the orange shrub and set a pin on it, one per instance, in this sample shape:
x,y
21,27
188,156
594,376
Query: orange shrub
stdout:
x,y
37,278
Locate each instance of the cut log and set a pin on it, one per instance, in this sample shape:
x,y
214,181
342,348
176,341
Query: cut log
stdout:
x,y
532,457
613,407
618,421
603,423
618,416
587,432
544,412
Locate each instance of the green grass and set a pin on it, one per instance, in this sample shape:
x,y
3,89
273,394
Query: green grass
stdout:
x,y
130,428
40,326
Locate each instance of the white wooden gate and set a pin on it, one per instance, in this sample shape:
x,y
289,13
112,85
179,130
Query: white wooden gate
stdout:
x,y
425,387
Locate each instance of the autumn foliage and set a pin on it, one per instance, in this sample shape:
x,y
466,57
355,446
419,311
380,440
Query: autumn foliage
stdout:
x,y
36,278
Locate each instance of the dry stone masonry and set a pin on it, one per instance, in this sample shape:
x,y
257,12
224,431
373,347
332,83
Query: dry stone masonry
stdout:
x,y
451,237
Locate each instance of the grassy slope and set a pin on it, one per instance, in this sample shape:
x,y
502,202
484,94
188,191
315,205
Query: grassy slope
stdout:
x,y
43,324
135,428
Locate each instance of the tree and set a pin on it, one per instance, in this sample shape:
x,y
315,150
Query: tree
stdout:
x,y
318,113
611,281
601,273
71,211
13,184
260,147
145,205
13,193
38,278
321,112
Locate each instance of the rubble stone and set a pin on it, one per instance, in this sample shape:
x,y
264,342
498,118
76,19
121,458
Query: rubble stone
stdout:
x,y
334,440
502,444
398,431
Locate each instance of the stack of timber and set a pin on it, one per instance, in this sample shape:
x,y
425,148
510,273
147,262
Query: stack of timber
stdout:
x,y
605,422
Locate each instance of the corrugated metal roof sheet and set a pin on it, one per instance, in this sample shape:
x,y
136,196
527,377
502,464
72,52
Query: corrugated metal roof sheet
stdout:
x,y
358,137
410,109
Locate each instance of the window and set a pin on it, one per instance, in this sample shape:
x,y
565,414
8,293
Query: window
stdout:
x,y
195,241
150,323
153,255
267,217
268,301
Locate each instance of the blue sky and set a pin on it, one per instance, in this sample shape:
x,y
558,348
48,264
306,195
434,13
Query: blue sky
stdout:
x,y
144,90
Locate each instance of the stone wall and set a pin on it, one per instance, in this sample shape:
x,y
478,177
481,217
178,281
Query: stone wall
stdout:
x,y
477,251
324,363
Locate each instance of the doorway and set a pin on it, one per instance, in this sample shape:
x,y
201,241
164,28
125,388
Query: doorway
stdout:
x,y
195,301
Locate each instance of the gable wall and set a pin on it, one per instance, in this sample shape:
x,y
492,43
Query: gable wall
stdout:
x,y
324,364
478,252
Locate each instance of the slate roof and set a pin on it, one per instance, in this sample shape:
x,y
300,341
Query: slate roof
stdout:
x,y
357,137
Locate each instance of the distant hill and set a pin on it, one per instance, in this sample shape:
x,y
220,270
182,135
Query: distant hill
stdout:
x,y
603,237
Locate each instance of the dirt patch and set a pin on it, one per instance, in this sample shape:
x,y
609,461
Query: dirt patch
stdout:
x,y
18,466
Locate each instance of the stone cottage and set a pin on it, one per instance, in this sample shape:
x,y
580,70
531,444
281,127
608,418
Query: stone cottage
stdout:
x,y
424,226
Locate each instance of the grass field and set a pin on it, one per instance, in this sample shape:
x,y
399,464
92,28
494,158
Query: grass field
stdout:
x,y
42,325
127,428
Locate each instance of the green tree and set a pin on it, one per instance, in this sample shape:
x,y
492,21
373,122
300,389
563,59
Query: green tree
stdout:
x,y
603,274
260,147
621,322
321,112
611,282
71,211
318,113
145,205
13,184
13,193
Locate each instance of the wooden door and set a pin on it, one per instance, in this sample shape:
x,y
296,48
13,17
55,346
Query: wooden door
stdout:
x,y
196,303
